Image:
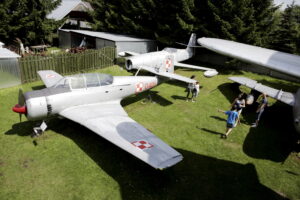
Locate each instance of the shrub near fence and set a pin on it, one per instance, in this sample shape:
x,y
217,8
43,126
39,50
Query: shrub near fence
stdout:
x,y
66,63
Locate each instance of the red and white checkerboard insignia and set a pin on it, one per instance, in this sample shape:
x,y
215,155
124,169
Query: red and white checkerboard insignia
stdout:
x,y
139,87
142,144
168,63
50,76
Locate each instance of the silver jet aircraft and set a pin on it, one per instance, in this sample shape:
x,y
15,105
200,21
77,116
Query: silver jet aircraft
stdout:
x,y
93,100
276,60
162,62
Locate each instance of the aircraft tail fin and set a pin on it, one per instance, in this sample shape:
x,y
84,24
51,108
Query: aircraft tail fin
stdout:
x,y
191,44
192,41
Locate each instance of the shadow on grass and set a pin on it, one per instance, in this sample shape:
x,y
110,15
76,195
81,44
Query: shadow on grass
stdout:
x,y
176,97
275,137
218,118
196,177
22,128
145,96
210,131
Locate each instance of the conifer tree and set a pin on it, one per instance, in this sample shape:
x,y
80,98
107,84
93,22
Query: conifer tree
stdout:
x,y
26,19
287,37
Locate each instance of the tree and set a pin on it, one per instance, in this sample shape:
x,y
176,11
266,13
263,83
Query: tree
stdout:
x,y
26,19
287,37
249,21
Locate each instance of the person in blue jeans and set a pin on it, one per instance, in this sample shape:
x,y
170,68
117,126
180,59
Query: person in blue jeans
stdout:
x,y
231,120
261,108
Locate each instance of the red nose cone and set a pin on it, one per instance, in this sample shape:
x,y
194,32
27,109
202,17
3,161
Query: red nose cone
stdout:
x,y
19,109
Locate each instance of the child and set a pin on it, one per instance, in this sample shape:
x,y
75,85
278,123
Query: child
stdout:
x,y
231,120
195,91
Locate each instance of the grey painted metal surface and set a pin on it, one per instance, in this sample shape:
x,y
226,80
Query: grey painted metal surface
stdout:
x,y
72,38
93,100
279,61
163,62
285,97
110,36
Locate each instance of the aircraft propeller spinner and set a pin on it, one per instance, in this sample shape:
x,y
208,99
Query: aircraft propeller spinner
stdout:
x,y
20,107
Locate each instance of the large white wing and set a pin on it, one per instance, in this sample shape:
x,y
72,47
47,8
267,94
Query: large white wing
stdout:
x,y
285,97
276,60
110,121
49,77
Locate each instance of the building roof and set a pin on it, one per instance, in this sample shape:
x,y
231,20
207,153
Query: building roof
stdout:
x,y
5,53
66,7
108,36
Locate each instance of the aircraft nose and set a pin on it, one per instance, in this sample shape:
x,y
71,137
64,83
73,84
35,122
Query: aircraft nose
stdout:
x,y
19,109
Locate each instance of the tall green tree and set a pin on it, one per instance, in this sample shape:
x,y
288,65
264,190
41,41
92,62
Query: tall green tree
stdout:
x,y
287,37
26,19
249,21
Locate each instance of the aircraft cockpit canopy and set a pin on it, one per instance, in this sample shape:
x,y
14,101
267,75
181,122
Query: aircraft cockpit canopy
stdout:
x,y
85,81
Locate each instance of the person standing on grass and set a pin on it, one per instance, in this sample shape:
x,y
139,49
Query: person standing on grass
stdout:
x,y
231,120
190,88
239,103
261,108
195,91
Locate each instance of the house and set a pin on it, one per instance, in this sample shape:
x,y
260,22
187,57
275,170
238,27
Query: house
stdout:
x,y
75,13
97,40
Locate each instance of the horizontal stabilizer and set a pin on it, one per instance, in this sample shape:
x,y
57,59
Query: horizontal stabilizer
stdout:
x,y
189,46
285,97
49,77
177,64
169,75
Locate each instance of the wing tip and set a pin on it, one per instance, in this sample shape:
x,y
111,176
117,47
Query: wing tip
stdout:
x,y
170,162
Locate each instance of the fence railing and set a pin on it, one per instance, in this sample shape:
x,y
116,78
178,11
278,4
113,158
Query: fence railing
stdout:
x,y
66,63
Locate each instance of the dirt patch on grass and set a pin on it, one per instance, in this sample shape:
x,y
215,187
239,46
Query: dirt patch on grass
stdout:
x,y
27,162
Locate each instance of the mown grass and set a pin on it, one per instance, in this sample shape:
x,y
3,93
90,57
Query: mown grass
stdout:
x,y
71,162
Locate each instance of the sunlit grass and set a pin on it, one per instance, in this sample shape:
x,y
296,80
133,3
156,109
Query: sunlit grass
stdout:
x,y
71,162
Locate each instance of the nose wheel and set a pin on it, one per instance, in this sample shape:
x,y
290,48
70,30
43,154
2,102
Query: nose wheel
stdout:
x,y
39,130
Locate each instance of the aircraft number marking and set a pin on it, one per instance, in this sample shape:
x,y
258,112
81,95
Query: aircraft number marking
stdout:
x,y
142,144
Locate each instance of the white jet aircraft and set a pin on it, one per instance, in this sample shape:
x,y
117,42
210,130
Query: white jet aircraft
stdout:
x,y
276,60
93,100
162,62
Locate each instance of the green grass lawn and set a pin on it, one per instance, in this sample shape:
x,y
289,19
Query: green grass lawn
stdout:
x,y
71,162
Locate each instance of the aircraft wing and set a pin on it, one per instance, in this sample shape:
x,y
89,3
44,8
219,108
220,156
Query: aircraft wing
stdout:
x,y
127,53
168,75
49,77
276,60
110,121
285,97
191,66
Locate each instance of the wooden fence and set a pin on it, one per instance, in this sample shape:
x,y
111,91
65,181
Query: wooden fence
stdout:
x,y
66,63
